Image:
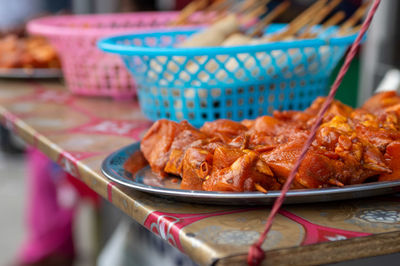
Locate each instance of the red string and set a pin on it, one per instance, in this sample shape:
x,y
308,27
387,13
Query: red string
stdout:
x,y
256,254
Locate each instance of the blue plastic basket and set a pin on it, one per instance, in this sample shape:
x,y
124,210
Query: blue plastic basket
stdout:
x,y
242,82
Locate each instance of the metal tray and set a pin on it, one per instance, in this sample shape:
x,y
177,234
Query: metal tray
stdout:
x,y
144,180
38,73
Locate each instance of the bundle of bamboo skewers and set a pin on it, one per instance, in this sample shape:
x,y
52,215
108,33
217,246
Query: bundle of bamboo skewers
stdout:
x,y
230,22
231,27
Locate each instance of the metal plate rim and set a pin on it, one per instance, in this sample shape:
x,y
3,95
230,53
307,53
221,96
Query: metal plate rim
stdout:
x,y
271,195
39,73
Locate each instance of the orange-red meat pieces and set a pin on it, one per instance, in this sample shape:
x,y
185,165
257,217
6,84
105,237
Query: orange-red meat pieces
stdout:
x,y
135,162
317,170
157,142
196,168
306,118
337,158
335,109
282,159
267,132
186,137
225,169
165,143
350,147
355,159
226,130
30,52
244,173
384,101
378,130
392,157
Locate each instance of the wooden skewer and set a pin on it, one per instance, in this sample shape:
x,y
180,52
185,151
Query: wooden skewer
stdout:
x,y
256,6
360,12
253,12
216,6
299,22
246,5
320,17
202,5
334,20
291,30
347,27
355,29
214,9
184,13
309,11
222,10
271,16
225,5
189,10
213,35
351,31
250,9
258,11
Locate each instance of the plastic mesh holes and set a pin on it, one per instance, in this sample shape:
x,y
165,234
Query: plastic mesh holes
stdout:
x,y
231,85
87,70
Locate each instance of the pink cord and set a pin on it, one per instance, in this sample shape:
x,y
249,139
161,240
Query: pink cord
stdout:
x,y
256,254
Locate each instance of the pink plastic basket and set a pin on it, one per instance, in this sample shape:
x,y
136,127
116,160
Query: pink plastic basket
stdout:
x,y
87,70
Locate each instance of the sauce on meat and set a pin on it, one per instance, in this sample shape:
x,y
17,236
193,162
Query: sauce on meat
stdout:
x,y
352,146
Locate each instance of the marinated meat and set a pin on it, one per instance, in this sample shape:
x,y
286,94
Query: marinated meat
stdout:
x,y
157,142
351,146
393,161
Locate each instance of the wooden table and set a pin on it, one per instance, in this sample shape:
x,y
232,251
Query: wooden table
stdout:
x,y
78,133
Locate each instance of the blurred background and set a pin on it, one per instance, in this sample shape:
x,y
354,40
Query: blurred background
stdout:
x,y
95,226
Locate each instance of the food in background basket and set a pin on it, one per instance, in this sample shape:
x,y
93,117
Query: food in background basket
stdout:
x,y
215,34
212,36
212,11
352,146
231,31
225,31
27,53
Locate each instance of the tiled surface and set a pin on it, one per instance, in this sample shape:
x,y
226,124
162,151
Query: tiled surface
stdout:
x,y
79,133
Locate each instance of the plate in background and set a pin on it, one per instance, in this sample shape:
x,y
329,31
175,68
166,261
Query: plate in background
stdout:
x,y
38,73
